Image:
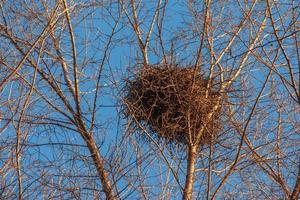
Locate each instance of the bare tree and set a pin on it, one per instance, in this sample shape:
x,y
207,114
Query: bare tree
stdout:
x,y
235,41
62,130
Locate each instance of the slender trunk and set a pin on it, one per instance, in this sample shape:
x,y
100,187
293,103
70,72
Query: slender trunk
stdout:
x,y
209,171
189,181
102,173
98,161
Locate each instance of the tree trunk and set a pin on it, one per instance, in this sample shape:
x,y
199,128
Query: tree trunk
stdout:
x,y
98,161
189,181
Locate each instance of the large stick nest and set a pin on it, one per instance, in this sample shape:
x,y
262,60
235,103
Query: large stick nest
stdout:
x,y
162,99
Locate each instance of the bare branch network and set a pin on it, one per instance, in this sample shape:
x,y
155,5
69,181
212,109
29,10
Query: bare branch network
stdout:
x,y
149,99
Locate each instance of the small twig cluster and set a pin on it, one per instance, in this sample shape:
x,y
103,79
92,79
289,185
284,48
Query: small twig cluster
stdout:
x,y
162,99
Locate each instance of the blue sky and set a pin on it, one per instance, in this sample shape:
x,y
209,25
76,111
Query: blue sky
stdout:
x,y
63,148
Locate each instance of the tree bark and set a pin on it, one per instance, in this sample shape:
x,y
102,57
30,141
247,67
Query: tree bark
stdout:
x,y
189,181
98,161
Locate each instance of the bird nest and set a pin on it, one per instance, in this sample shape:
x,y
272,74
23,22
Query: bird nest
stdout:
x,y
173,103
